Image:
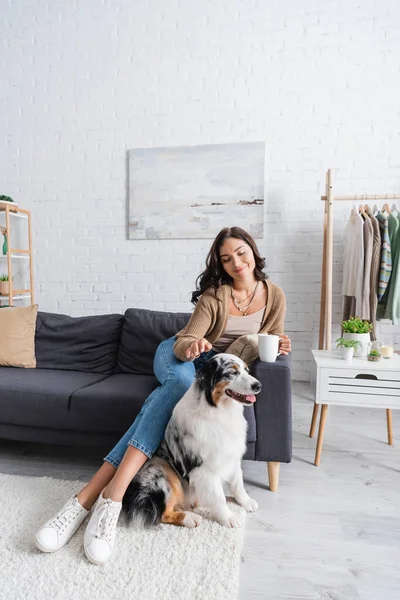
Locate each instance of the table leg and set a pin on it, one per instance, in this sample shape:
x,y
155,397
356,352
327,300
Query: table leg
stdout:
x,y
314,420
389,426
321,429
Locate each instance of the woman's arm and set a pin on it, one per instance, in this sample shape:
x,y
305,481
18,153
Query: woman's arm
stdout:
x,y
275,321
200,323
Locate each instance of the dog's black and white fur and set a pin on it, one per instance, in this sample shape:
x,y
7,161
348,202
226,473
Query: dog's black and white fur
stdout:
x,y
204,443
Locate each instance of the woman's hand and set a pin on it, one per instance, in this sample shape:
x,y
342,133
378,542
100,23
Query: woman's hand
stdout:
x,y
285,345
197,347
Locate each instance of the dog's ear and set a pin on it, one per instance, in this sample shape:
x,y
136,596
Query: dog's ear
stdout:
x,y
207,378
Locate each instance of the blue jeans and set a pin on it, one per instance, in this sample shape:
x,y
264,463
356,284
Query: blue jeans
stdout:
x,y
175,376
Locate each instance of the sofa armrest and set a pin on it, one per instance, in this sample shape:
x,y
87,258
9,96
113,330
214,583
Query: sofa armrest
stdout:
x,y
273,410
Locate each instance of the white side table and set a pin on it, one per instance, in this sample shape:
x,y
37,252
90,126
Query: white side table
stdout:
x,y
356,383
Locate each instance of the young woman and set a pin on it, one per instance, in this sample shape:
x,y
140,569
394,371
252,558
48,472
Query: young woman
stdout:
x,y
233,299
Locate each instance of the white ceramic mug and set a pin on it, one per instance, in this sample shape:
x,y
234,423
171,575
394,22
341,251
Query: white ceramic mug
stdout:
x,y
268,345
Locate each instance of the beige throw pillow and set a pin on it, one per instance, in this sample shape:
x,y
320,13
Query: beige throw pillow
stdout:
x,y
17,336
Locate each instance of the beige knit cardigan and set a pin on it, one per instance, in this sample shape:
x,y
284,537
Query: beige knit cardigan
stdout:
x,y
210,317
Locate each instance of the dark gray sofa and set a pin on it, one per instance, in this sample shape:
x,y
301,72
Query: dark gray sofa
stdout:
x,y
94,373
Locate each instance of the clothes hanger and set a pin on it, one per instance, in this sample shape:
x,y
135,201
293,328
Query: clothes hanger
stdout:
x,y
394,207
386,207
362,211
375,209
367,210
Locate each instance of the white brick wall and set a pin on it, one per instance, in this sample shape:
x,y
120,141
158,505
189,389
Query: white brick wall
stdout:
x,y
84,81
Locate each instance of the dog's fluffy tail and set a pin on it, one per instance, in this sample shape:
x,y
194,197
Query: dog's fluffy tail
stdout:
x,y
149,494
142,507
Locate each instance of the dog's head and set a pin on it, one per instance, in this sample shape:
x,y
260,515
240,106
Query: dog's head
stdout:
x,y
225,376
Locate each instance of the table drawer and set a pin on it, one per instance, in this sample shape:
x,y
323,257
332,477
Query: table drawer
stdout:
x,y
364,388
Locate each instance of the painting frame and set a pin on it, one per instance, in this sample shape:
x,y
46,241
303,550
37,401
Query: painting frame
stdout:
x,y
192,192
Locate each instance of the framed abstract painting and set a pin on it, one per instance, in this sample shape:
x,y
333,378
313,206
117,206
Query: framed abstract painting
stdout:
x,y
191,192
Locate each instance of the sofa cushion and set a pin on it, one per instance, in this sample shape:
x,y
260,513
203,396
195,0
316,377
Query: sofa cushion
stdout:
x,y
142,332
78,343
40,397
17,336
112,404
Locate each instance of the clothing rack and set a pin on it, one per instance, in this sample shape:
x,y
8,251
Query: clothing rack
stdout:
x,y
325,320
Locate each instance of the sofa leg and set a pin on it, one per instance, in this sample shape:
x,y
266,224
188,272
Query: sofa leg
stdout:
x,y
273,475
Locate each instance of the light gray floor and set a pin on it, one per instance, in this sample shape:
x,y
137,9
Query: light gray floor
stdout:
x,y
329,533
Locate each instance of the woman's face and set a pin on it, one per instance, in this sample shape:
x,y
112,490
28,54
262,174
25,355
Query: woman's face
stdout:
x,y
237,258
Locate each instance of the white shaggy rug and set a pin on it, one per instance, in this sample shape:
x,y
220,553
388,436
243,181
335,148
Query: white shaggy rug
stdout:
x,y
167,563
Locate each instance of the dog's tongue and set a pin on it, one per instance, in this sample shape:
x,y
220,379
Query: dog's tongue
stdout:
x,y
251,398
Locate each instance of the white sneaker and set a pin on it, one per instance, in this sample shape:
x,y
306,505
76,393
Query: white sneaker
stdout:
x,y
56,532
100,532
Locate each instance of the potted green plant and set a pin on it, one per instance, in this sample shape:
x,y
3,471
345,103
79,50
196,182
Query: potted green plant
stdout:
x,y
7,200
359,330
347,347
4,285
374,355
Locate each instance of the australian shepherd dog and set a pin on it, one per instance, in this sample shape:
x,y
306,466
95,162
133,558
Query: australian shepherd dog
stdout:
x,y
204,443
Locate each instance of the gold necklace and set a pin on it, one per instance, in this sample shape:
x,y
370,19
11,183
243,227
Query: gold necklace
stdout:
x,y
244,299
241,301
244,309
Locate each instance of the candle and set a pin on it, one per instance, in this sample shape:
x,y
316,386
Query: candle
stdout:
x,y
386,351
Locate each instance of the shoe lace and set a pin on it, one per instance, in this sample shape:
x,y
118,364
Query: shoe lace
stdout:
x,y
107,520
65,516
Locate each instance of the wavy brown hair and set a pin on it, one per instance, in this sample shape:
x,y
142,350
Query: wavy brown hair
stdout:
x,y
214,275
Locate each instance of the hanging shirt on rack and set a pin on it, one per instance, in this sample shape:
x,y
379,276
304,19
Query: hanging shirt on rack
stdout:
x,y
353,259
393,224
386,254
368,235
382,313
391,309
375,268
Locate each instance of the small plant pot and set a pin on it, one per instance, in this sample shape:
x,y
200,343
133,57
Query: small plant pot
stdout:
x,y
374,358
364,340
347,353
4,288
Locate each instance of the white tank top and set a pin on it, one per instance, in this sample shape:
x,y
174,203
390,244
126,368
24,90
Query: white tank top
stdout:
x,y
237,326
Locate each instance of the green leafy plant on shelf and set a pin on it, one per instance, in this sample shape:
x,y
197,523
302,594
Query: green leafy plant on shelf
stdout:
x,y
6,199
4,285
342,343
356,325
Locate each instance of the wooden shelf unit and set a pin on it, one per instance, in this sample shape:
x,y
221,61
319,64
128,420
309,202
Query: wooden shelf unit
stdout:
x,y
11,212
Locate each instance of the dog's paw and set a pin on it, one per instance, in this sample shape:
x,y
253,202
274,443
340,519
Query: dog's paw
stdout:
x,y
191,519
229,521
249,505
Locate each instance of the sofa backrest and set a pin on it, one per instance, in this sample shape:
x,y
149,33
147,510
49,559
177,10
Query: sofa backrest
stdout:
x,y
142,332
78,343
